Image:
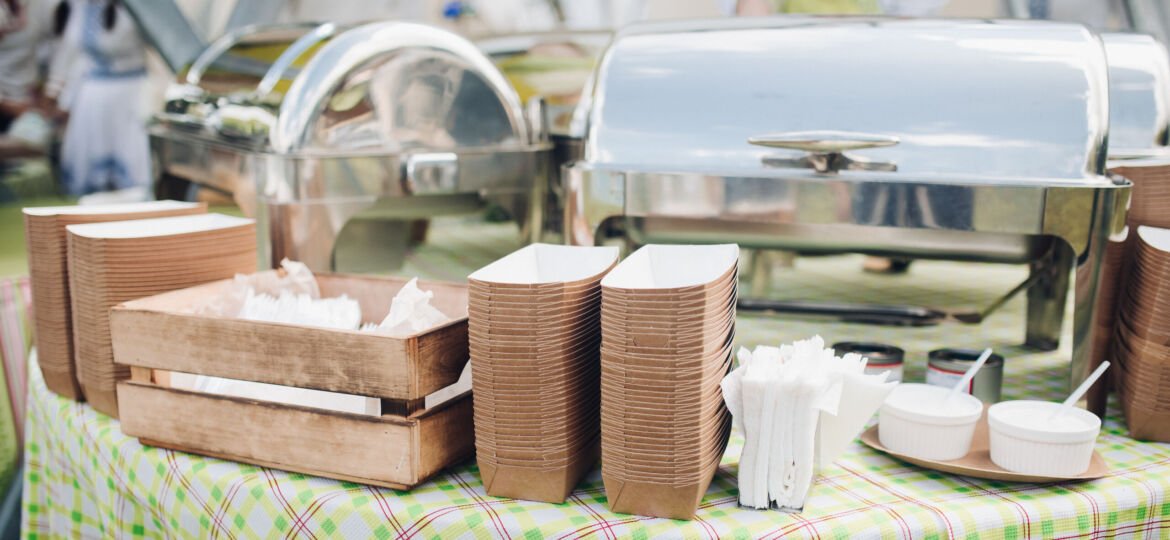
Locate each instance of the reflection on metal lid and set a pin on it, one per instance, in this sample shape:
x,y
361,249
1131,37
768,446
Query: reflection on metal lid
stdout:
x,y
238,60
1139,92
398,86
1019,99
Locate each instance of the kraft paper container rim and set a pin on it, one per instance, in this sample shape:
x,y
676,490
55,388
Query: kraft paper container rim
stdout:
x,y
693,438
169,227
546,374
545,300
538,333
658,310
514,391
503,354
537,437
672,268
542,292
509,431
649,346
664,374
584,320
686,354
538,373
686,415
521,307
637,320
684,332
648,390
713,294
709,295
504,441
570,417
538,264
106,209
642,378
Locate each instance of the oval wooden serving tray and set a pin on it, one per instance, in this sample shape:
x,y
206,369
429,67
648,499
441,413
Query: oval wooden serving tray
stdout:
x,y
978,462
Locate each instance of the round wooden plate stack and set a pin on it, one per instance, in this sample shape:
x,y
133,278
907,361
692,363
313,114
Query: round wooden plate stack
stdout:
x,y
111,263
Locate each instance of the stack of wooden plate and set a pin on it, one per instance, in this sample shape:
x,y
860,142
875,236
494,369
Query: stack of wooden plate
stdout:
x,y
667,322
534,332
1142,373
114,262
44,229
1150,197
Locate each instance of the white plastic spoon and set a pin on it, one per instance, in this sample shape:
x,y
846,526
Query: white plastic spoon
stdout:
x,y
1080,391
970,374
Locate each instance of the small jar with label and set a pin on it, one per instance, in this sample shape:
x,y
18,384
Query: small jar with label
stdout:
x,y
881,357
946,366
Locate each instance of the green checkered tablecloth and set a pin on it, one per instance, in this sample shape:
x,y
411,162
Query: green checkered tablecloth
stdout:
x,y
84,478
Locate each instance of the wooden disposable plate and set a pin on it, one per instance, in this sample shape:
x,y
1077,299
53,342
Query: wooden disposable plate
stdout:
x,y
978,462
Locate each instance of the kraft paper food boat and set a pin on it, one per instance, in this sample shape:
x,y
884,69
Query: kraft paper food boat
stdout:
x,y
1140,348
534,337
667,320
327,376
44,229
114,262
1113,271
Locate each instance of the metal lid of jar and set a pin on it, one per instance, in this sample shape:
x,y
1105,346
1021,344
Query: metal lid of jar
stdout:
x,y
958,357
879,354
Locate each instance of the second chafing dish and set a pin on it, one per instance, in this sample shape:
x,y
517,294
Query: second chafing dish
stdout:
x,y
353,132
966,140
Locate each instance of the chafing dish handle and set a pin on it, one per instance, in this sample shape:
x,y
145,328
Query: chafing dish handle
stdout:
x,y
826,150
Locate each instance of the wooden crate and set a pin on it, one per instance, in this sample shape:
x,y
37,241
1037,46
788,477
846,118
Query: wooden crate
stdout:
x,y
155,336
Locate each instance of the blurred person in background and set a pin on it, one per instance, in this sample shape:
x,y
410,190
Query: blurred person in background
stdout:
x,y
98,77
24,26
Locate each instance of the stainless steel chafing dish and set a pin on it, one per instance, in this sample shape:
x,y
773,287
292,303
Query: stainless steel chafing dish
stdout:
x,y
555,66
1139,95
954,139
336,138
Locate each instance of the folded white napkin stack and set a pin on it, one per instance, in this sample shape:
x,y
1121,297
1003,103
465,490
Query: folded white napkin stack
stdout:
x,y
799,406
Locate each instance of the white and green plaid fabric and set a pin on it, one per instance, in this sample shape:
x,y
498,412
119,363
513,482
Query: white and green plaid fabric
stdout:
x,y
84,478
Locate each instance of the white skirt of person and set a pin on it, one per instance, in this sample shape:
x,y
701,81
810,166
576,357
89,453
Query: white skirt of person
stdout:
x,y
106,146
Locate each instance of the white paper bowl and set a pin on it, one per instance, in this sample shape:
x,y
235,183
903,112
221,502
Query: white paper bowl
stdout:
x,y
913,421
1024,441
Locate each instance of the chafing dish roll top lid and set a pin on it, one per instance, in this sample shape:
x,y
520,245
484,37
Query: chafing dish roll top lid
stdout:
x,y
853,121
418,94
960,139
232,65
974,99
1139,95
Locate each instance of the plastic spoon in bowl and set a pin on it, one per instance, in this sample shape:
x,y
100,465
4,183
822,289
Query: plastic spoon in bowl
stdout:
x,y
1080,391
970,374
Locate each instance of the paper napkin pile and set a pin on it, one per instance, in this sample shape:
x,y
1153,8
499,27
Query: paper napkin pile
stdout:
x,y
800,406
